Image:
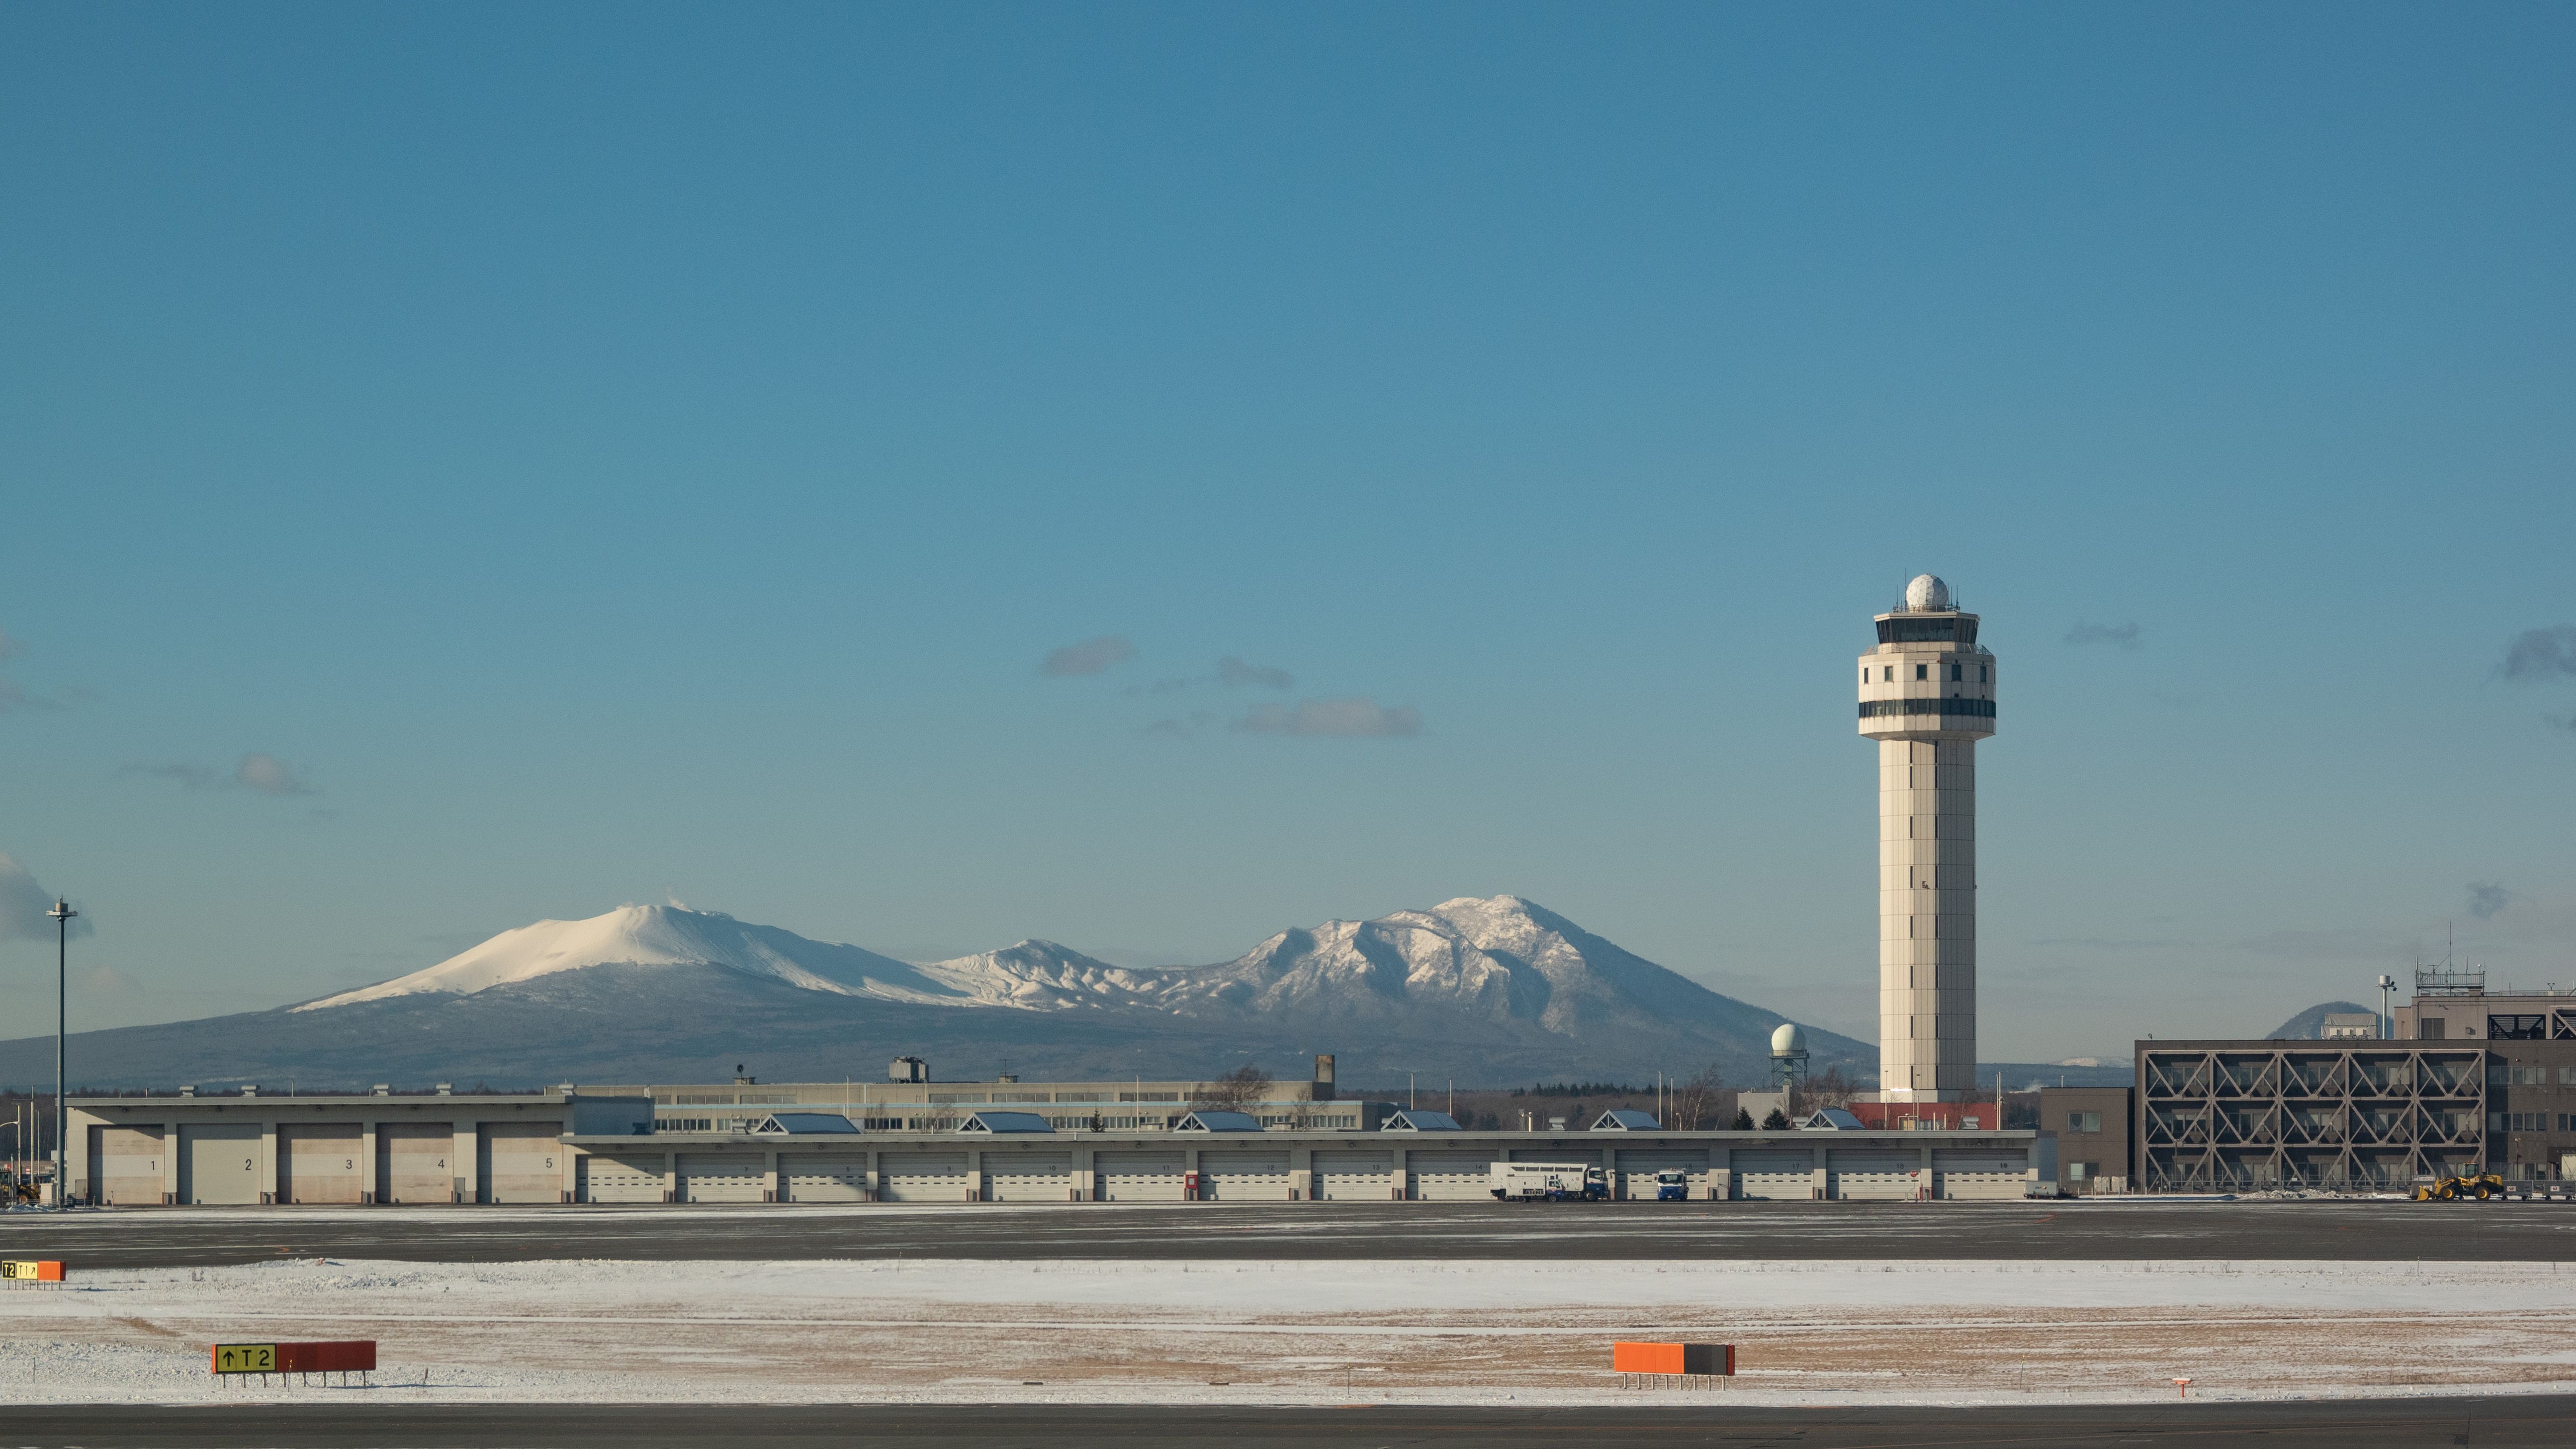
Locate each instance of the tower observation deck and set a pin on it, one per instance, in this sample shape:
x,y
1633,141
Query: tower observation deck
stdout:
x,y
1927,695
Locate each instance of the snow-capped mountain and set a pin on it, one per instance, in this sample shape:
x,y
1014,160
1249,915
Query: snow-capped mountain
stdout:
x,y
1491,991
653,936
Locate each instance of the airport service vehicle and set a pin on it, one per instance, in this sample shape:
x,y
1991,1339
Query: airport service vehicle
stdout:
x,y
1672,1185
1555,1182
2479,1185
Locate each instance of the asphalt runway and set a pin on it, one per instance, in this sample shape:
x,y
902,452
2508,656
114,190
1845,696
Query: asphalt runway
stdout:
x,y
2356,1231
2343,1424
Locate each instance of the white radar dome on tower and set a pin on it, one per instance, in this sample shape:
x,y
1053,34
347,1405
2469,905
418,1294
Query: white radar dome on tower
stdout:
x,y
1927,592
1788,1040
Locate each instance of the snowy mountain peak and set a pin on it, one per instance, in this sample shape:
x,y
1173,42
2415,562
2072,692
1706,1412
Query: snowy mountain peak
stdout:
x,y
655,936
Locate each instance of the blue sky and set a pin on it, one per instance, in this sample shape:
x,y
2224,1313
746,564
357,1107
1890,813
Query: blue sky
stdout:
x,y
476,464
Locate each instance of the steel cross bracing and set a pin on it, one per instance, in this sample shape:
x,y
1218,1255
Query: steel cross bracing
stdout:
x,y
2216,1119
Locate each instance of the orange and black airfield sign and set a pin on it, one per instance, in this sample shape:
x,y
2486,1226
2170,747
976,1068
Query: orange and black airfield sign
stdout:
x,y
1673,1360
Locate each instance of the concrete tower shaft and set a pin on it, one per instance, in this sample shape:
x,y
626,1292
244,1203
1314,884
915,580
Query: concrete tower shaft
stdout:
x,y
1927,695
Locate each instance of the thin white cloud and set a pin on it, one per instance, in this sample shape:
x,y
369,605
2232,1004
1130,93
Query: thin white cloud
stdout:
x,y
23,905
263,773
1352,718
268,775
1088,656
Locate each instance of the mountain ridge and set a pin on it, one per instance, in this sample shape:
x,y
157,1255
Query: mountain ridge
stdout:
x,y
1484,989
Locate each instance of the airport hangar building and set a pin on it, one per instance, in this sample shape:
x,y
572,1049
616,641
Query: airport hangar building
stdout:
x,y
951,1142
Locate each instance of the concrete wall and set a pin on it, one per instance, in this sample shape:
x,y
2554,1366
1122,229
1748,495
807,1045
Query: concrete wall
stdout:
x,y
518,1149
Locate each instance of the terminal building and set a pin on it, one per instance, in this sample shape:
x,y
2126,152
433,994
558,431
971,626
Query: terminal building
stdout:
x,y
916,1141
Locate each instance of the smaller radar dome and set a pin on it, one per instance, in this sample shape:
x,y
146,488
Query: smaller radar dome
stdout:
x,y
1788,1040
1926,591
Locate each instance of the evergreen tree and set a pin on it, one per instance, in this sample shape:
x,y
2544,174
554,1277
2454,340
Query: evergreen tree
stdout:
x,y
1743,1120
1778,1121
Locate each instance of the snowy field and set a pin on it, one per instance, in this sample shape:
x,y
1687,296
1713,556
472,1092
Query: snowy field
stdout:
x,y
1458,1331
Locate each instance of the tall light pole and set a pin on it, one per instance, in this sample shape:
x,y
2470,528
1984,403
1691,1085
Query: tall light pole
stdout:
x,y
62,914
2387,1023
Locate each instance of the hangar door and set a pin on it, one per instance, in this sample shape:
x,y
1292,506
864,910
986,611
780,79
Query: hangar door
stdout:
x,y
219,1163
621,1179
415,1162
1979,1172
1452,1176
125,1166
1789,1174
923,1176
822,1177
1345,1176
322,1162
1029,1176
519,1162
1139,1176
722,1176
1858,1173
1638,1166
1243,1175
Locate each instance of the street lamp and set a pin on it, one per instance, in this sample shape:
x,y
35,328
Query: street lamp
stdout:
x,y
2387,1024
62,914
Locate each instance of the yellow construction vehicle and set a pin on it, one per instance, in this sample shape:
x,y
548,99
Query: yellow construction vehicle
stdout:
x,y
2479,1185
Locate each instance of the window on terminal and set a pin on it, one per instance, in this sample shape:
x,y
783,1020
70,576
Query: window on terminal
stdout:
x,y
1922,671
1954,672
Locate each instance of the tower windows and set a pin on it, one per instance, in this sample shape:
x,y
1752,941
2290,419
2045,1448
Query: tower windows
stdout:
x,y
1981,672
1954,673
1864,674
1887,674
1922,671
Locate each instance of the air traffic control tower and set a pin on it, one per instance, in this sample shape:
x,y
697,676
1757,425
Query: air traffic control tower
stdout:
x,y
1927,695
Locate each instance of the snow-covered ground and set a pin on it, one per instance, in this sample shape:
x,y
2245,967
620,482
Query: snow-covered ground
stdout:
x,y
1459,1331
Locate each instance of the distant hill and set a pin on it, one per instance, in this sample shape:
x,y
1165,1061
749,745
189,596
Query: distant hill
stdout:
x,y
1497,991
2307,1024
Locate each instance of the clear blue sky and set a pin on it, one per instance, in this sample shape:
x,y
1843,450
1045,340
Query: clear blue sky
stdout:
x,y
470,464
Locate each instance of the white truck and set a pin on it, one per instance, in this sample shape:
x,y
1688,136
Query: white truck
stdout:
x,y
1552,1181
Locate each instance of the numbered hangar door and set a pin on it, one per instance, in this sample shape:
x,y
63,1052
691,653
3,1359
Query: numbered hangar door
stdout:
x,y
1858,1173
219,1163
1243,1176
822,1177
1029,1176
721,1176
1640,1164
1344,1176
125,1166
1139,1176
609,1178
518,1162
923,1176
322,1162
1775,1173
1452,1176
1979,1172
415,1162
